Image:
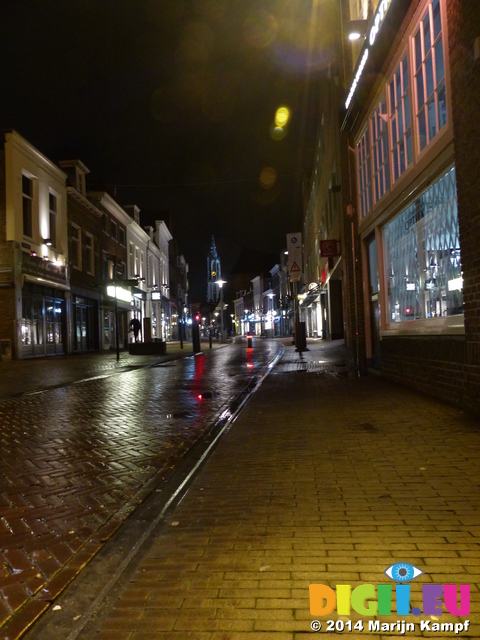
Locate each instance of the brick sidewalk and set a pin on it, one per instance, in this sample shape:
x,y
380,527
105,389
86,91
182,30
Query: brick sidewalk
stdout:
x,y
324,477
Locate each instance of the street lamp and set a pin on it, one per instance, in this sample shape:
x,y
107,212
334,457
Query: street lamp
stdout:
x,y
220,286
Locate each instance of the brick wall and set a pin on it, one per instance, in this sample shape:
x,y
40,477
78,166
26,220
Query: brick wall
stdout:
x,y
463,27
432,364
3,202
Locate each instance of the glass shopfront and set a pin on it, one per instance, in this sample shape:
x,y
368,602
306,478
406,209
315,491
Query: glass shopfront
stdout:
x,y
422,256
43,317
84,321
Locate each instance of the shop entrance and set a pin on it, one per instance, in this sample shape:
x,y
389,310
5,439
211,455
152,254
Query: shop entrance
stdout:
x,y
42,324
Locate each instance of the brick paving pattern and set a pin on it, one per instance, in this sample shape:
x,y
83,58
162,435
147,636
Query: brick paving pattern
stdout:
x,y
324,477
77,460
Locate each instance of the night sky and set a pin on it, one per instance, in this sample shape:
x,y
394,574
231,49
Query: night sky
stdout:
x,y
173,103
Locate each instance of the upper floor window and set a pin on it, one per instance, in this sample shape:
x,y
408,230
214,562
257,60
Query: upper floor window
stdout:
x,y
27,206
52,215
431,104
76,246
105,222
381,173
132,259
364,174
113,229
89,254
121,236
400,119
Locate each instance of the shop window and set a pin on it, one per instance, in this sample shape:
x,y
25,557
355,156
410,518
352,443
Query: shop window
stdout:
x,y
381,172
27,206
422,256
429,64
364,174
400,119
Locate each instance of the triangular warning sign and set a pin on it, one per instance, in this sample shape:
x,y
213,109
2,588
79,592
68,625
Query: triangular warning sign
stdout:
x,y
294,268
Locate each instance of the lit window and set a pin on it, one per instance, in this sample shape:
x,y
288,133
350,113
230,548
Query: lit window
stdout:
x,y
422,256
430,75
400,119
381,173
27,205
364,174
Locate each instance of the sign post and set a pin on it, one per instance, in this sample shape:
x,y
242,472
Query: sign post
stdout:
x,y
295,271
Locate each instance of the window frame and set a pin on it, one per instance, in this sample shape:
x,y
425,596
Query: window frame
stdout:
x,y
28,198
52,217
89,251
393,115
422,110
76,246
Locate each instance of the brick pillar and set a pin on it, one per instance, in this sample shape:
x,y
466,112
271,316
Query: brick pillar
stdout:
x,y
463,28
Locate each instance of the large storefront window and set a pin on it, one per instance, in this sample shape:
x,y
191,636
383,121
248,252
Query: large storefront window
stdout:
x,y
422,256
42,321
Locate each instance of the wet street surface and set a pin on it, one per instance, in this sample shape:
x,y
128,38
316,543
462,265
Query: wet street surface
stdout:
x,y
78,460
323,478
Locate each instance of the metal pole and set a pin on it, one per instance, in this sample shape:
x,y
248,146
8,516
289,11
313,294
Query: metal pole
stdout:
x,y
180,326
221,310
117,340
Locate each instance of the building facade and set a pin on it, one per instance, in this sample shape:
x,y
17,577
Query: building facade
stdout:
x,y
34,282
84,233
411,129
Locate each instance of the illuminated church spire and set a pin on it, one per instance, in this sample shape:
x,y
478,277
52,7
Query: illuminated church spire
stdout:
x,y
214,273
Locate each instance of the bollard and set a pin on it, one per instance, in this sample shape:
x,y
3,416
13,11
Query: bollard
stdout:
x,y
210,340
249,342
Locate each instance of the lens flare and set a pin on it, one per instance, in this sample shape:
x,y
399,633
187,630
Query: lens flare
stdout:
x,y
282,116
268,177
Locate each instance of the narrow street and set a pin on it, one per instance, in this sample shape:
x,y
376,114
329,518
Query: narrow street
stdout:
x,y
77,460
323,478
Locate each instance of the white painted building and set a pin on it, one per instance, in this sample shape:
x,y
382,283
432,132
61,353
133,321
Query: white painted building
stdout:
x,y
34,282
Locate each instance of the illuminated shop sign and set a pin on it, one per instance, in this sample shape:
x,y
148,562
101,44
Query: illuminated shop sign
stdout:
x,y
376,25
121,294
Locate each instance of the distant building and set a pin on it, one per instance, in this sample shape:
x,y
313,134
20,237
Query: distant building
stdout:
x,y
214,274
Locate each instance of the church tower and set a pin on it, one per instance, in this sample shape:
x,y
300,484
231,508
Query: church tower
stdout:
x,y
214,273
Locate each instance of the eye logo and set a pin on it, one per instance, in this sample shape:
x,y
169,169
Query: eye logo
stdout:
x,y
403,572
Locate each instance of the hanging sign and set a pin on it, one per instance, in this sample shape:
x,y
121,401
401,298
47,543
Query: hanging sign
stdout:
x,y
328,248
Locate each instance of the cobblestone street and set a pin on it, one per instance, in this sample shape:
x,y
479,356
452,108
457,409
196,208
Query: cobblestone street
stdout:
x,y
78,459
323,478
